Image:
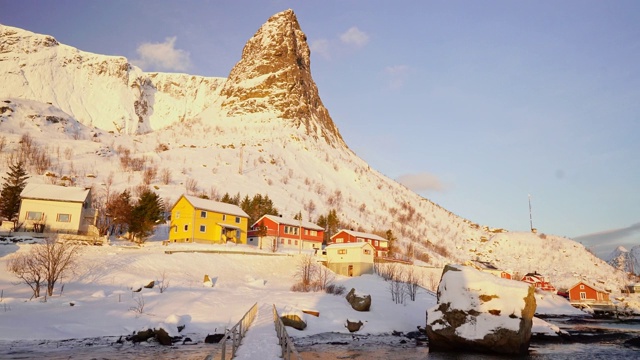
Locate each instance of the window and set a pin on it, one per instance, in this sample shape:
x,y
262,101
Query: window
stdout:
x,y
306,231
186,227
238,234
289,241
291,230
224,217
314,233
237,219
175,229
177,214
34,215
583,295
359,239
581,286
63,218
296,242
367,252
342,251
339,240
282,241
203,228
203,214
376,242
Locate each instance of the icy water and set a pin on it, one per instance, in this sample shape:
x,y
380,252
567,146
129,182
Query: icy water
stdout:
x,y
594,340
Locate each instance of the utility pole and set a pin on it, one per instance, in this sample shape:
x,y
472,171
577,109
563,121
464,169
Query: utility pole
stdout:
x,y
300,235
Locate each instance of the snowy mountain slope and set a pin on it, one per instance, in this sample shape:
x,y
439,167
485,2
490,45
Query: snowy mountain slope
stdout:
x,y
302,164
625,260
98,90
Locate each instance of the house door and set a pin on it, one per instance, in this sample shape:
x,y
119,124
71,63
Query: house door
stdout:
x,y
350,271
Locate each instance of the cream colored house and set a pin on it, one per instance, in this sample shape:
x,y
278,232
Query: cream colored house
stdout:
x,y
56,209
350,259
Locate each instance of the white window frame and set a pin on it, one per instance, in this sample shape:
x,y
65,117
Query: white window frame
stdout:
x,y
203,228
58,216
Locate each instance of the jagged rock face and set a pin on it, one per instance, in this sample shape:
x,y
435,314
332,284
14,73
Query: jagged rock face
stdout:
x,y
274,75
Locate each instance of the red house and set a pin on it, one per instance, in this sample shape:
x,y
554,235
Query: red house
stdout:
x,y
538,281
584,292
380,244
283,233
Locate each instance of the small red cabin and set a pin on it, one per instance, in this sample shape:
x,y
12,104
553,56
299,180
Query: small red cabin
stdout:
x,y
584,292
349,236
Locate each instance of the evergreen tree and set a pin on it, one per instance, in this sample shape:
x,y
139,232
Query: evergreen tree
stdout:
x,y
257,207
330,223
14,183
145,215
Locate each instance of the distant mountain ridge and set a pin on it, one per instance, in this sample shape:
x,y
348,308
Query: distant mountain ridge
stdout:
x,y
625,260
262,130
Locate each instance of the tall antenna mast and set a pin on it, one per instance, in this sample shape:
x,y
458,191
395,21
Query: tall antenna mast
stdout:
x,y
530,217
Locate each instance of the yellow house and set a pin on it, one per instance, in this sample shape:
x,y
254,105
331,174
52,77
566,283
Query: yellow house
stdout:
x,y
56,209
206,221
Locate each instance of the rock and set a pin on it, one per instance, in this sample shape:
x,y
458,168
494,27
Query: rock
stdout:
x,y
479,312
635,342
359,303
213,339
180,328
163,337
353,326
141,336
293,321
206,282
150,285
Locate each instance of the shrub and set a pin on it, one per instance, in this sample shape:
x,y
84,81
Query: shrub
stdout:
x,y
335,289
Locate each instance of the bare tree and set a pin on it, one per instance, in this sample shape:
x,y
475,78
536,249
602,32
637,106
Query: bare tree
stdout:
x,y
412,283
324,277
25,268
55,259
165,176
164,282
48,262
304,273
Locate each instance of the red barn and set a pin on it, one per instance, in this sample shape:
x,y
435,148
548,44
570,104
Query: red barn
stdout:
x,y
584,292
282,233
380,244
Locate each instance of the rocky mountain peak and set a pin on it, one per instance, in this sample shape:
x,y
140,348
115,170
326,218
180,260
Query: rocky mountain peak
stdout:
x,y
274,75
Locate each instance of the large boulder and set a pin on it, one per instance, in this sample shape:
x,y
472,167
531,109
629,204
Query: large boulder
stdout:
x,y
480,312
359,302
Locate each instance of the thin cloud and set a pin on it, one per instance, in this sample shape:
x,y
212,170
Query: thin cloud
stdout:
x,y
397,76
421,182
604,242
355,36
611,235
162,56
321,47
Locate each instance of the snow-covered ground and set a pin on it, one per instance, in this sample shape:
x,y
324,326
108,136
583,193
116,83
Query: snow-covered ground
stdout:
x,y
98,300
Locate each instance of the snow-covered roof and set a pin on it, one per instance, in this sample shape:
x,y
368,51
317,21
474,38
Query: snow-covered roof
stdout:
x,y
216,206
348,245
288,221
594,287
54,193
361,235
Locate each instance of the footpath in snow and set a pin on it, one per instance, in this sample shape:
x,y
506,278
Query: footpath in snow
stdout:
x,y
261,340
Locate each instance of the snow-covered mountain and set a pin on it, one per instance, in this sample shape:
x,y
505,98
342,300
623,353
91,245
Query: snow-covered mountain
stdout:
x,y
625,260
262,130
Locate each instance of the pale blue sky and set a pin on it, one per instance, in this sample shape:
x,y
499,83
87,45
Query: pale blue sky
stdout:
x,y
477,103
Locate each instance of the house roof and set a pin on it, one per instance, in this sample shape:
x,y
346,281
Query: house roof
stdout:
x,y
597,288
293,222
215,206
361,235
348,245
54,193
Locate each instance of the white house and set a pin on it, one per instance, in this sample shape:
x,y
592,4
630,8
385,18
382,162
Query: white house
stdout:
x,y
350,259
56,209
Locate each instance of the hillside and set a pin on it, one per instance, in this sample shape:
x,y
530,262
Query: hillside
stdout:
x,y
91,114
